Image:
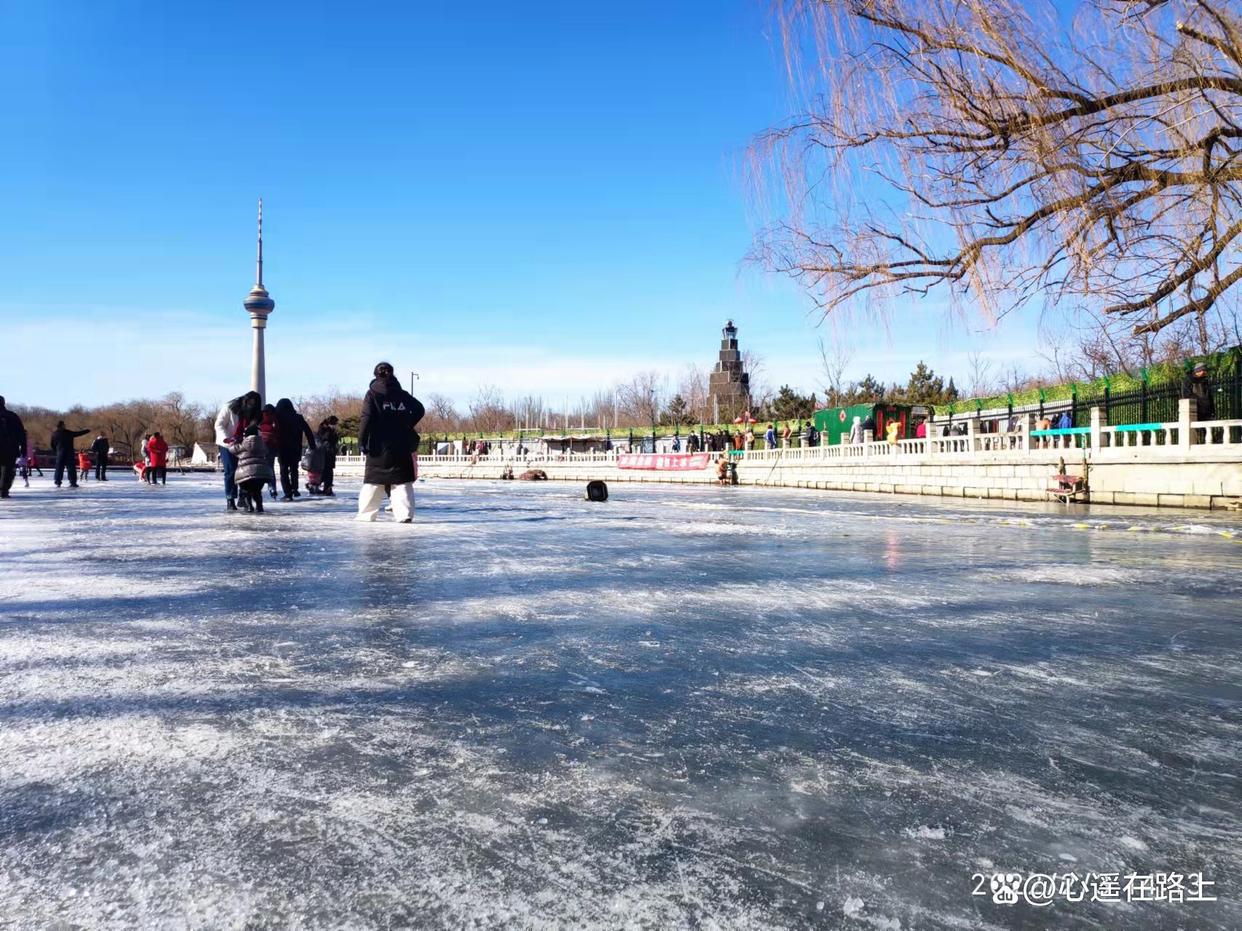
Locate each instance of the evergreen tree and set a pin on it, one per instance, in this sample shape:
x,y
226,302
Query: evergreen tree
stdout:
x,y
924,386
868,391
677,413
789,405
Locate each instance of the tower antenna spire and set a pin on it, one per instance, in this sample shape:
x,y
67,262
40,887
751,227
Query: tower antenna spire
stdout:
x,y
259,304
259,268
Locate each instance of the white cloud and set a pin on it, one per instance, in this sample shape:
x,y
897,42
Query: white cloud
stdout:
x,y
108,355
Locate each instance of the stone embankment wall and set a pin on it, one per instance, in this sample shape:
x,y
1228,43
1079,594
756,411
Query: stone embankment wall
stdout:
x,y
1184,464
1177,483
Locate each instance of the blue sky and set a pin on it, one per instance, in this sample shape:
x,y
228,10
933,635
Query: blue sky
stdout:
x,y
544,199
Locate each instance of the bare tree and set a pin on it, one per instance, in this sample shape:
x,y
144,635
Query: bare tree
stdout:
x,y
692,386
488,413
640,400
317,408
834,361
761,393
441,416
1016,158
179,418
603,408
979,371
528,412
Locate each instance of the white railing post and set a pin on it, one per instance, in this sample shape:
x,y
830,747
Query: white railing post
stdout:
x,y
1184,419
970,435
1095,428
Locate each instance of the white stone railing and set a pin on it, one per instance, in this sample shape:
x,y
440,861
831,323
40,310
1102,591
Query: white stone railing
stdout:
x,y
1186,439
1216,433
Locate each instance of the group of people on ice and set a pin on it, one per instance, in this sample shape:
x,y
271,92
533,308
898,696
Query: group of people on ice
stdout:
x,y
17,452
253,439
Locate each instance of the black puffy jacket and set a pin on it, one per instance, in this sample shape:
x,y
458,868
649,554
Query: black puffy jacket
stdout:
x,y
292,427
386,433
12,436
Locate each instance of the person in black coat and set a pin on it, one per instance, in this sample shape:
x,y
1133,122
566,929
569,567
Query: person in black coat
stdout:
x,y
389,441
292,427
12,445
100,449
327,437
1199,390
62,446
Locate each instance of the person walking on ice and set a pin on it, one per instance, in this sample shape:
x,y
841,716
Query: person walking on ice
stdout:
x,y
12,445
387,438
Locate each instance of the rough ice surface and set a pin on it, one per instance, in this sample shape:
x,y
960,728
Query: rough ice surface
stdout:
x,y
687,707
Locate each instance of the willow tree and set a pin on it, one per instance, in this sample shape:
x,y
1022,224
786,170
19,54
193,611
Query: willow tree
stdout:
x,y
1008,152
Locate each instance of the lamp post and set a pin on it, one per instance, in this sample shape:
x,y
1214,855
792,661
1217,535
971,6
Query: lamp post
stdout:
x,y
652,407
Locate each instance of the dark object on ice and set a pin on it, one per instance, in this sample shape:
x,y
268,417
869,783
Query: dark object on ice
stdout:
x,y
507,474
533,475
597,491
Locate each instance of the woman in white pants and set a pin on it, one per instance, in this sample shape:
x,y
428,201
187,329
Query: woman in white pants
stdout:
x,y
388,440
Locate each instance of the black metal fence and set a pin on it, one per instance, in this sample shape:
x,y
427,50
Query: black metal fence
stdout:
x,y
1158,404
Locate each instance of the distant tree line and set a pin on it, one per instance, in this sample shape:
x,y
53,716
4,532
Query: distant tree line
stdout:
x,y
647,399
182,423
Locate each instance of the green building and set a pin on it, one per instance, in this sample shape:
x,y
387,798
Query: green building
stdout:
x,y
834,423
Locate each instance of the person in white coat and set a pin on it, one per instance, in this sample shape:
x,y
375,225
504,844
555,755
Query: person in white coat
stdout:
x,y
231,423
856,431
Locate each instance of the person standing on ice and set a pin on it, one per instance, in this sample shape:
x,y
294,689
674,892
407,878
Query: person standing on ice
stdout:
x,y
231,423
12,445
387,438
100,449
269,429
292,426
157,459
66,459
254,469
327,438
32,457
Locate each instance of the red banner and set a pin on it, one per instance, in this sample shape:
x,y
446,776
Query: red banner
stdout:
x,y
664,462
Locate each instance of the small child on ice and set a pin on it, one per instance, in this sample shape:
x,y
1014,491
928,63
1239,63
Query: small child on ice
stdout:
x,y
253,471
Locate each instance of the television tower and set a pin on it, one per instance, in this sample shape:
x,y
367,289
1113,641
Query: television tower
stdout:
x,y
259,304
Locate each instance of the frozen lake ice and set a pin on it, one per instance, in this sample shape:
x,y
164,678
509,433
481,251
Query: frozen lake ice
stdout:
x,y
687,707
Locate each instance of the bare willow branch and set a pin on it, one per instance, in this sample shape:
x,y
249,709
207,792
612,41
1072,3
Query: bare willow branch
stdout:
x,y
1005,152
